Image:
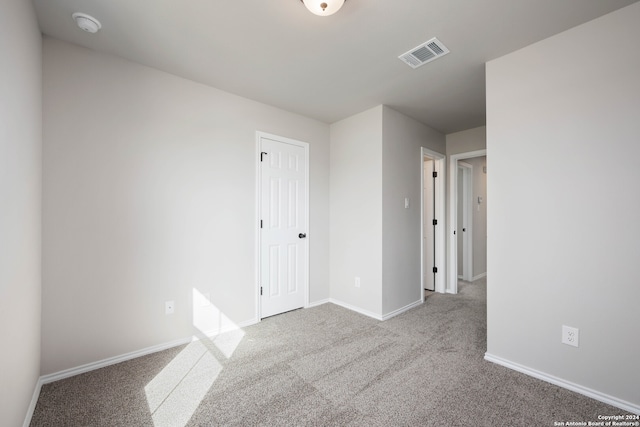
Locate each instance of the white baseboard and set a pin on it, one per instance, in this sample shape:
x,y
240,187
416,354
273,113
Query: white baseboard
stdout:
x,y
401,310
67,373
356,309
594,394
45,379
317,303
479,276
374,315
32,404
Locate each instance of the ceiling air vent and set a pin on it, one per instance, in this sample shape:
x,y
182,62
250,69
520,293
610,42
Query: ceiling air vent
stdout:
x,y
426,52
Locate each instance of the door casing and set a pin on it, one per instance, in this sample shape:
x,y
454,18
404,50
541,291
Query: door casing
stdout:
x,y
305,260
452,240
467,220
439,161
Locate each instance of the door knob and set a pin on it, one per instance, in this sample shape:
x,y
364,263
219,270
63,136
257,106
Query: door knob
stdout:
x,y
302,235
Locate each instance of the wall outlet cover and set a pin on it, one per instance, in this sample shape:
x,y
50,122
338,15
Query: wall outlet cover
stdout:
x,y
169,307
570,335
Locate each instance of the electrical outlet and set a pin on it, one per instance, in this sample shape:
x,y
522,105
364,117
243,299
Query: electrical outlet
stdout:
x,y
169,307
570,336
357,282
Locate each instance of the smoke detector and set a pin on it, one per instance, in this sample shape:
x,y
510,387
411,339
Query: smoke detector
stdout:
x,y
86,22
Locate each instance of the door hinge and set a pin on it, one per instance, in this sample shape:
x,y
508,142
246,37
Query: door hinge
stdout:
x,y
262,153
435,174
435,222
260,290
260,223
435,269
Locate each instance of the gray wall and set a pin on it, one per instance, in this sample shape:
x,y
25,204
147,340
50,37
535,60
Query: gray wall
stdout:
x,y
564,235
20,203
356,210
402,139
467,140
149,194
376,162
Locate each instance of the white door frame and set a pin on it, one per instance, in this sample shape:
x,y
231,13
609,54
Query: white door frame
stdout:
x,y
440,164
452,261
467,220
305,260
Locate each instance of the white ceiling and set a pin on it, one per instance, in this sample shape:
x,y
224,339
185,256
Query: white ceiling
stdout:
x,y
328,68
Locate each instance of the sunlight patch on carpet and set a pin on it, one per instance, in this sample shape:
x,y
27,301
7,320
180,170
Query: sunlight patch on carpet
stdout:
x,y
176,392
212,322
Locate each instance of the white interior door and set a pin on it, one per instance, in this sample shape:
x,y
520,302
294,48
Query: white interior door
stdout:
x,y
283,232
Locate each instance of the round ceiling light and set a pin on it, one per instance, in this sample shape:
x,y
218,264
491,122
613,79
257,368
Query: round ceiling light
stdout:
x,y
323,7
87,23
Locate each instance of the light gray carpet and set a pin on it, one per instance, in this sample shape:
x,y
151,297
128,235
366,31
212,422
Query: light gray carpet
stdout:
x,y
323,366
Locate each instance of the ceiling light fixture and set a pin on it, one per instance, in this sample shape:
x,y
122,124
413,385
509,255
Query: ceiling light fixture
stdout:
x,y
323,7
86,23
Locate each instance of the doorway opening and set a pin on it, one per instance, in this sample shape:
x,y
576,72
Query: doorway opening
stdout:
x,y
464,228
463,263
433,256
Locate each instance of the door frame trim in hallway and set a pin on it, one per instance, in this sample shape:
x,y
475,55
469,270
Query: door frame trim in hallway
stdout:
x,y
467,221
452,240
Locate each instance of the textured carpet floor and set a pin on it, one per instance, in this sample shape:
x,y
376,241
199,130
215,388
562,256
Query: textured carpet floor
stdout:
x,y
323,366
